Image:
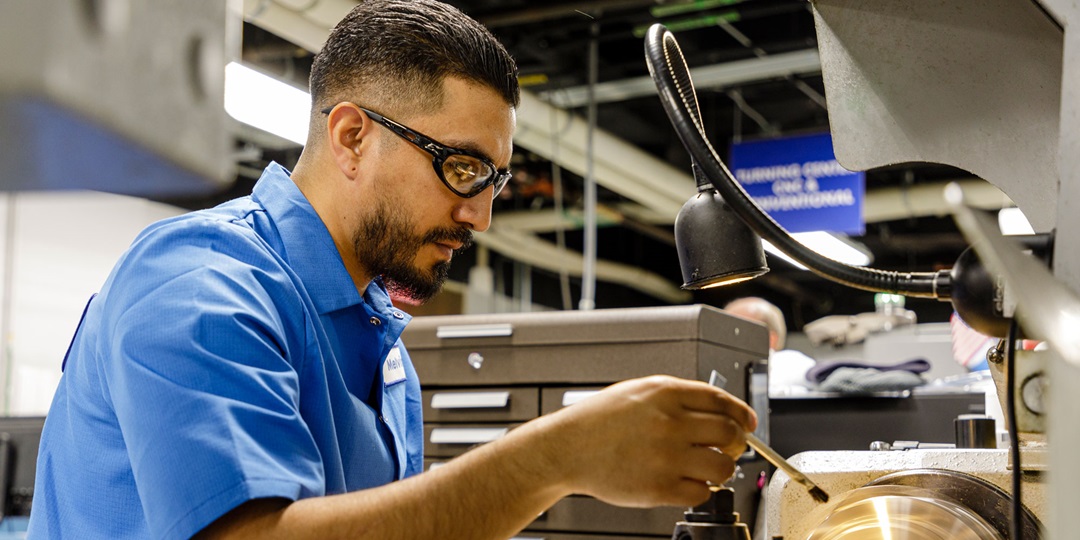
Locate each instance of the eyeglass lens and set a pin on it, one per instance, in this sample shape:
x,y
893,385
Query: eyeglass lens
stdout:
x,y
467,174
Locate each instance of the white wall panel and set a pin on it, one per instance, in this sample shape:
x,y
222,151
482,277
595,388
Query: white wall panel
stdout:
x,y
63,246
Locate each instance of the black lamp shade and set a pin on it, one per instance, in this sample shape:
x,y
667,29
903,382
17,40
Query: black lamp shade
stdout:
x,y
715,246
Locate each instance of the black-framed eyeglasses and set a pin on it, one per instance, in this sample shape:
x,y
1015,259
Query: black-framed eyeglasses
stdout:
x,y
466,173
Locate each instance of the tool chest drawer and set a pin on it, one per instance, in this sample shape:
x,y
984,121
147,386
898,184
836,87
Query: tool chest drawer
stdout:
x,y
555,398
481,404
450,440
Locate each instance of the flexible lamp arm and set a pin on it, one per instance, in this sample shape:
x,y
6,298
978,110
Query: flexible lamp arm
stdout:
x,y
672,78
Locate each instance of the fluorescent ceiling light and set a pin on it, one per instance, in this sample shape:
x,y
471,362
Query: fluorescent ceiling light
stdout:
x,y
1012,221
774,252
832,246
266,103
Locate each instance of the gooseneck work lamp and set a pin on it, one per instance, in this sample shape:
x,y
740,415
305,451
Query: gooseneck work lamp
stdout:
x,y
709,259
706,230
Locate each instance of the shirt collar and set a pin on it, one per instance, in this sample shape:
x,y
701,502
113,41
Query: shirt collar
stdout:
x,y
309,248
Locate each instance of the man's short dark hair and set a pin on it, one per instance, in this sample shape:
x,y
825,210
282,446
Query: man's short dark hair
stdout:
x,y
396,53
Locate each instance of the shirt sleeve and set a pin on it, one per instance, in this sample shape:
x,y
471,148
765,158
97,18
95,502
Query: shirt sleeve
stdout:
x,y
201,368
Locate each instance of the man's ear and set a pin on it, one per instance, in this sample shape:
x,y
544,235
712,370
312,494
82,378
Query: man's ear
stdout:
x,y
347,128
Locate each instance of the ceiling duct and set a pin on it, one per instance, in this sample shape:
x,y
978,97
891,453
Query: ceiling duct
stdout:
x,y
774,66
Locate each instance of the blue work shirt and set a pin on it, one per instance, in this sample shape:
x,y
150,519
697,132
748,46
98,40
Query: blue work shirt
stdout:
x,y
228,357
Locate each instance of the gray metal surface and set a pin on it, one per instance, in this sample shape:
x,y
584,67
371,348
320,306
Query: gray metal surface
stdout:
x,y
632,325
970,84
116,95
1064,401
589,347
1047,309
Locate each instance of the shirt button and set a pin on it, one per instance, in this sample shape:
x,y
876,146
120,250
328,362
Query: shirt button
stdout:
x,y
398,315
375,321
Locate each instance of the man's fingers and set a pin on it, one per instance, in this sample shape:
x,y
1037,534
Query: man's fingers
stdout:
x,y
688,492
715,430
667,432
701,397
707,465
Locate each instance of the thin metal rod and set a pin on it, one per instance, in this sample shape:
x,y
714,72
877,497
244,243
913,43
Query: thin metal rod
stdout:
x,y
771,456
560,229
524,285
588,274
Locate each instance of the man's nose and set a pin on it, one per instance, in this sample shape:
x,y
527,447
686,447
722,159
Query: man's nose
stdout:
x,y
475,212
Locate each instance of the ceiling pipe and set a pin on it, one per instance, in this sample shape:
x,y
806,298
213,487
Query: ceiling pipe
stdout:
x,y
324,13
619,166
540,253
780,65
921,200
588,276
881,204
292,25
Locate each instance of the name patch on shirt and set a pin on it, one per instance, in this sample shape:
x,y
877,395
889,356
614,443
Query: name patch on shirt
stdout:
x,y
393,369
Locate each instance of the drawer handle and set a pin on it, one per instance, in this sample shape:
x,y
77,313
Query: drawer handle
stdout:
x,y
573,396
470,400
474,331
466,435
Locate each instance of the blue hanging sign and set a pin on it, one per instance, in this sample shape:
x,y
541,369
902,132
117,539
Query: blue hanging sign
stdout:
x,y
799,183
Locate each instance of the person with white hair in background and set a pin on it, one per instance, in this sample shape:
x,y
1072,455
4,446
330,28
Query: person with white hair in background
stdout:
x,y
787,367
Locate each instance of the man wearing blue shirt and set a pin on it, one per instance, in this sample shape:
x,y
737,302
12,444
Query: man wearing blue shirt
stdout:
x,y
240,374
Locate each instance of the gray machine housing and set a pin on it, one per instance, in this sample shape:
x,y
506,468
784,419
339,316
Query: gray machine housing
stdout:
x,y
124,96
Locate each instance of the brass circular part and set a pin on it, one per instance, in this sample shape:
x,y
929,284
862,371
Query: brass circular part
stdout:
x,y
901,513
926,504
987,500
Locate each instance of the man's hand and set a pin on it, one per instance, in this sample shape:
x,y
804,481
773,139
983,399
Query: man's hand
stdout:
x,y
645,442
648,442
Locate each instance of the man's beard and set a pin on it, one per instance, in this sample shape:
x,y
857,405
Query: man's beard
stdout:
x,y
385,246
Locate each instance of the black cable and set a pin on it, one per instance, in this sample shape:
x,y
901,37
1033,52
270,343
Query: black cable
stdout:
x,y
1016,523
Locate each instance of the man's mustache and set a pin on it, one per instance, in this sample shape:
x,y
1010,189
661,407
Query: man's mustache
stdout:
x,y
450,235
